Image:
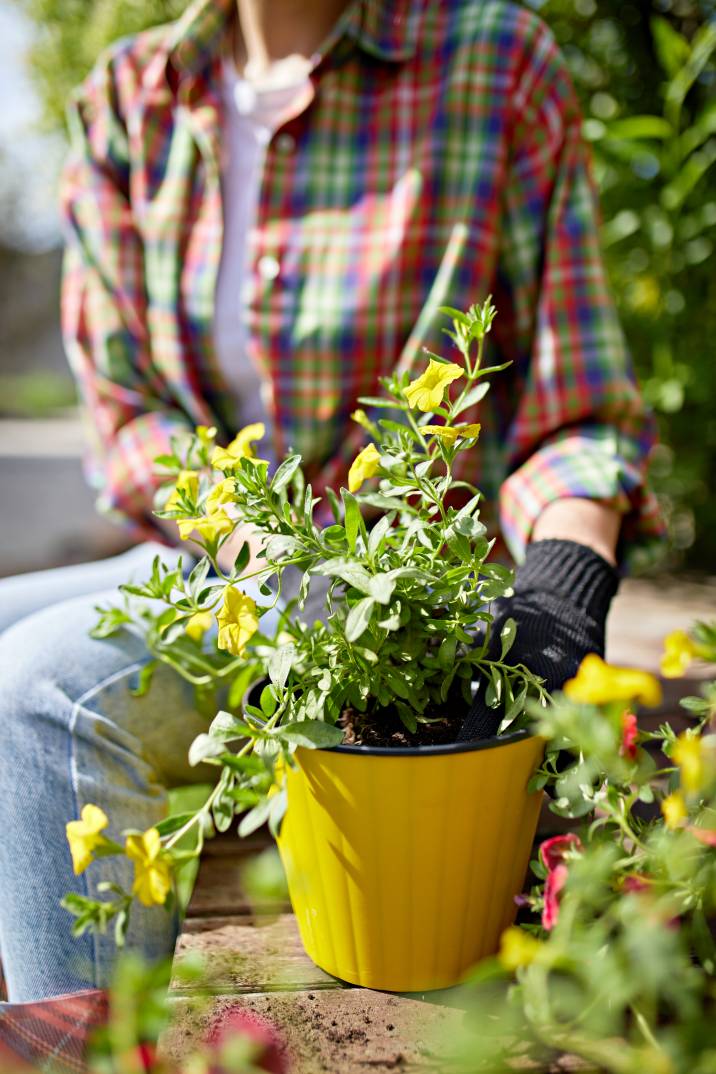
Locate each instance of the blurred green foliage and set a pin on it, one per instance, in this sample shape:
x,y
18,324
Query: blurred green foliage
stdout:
x,y
646,75
645,71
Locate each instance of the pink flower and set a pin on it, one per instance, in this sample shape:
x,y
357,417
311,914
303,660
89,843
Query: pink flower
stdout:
x,y
552,853
704,835
635,884
237,1020
630,735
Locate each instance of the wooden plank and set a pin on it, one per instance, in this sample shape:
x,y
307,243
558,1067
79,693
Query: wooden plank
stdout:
x,y
220,889
645,611
250,954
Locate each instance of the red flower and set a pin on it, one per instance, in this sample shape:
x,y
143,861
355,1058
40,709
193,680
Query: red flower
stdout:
x,y
704,835
630,735
634,884
552,853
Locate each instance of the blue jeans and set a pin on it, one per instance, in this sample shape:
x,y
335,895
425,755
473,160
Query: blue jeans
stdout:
x,y
71,733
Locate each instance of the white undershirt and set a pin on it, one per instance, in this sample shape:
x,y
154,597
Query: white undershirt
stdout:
x,y
252,112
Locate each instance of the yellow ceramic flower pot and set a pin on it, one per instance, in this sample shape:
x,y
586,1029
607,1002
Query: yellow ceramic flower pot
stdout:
x,y
403,864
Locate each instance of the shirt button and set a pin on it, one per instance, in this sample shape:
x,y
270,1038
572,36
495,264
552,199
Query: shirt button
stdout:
x,y
268,267
285,143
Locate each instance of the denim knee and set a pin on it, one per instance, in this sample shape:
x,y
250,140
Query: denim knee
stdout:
x,y
49,658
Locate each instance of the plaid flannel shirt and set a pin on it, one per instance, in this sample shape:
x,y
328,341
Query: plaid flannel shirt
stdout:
x,y
438,159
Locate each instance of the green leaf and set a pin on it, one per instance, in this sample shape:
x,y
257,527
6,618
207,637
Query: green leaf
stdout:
x,y
378,534
144,680
349,572
474,396
173,823
359,618
203,747
280,545
507,637
268,701
254,818
280,664
353,519
277,811
284,473
446,653
381,588
493,694
640,127
313,734
672,49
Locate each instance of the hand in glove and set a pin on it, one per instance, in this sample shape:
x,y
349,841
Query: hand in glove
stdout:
x,y
562,594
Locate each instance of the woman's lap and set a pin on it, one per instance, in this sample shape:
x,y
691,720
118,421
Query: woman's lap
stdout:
x,y
72,733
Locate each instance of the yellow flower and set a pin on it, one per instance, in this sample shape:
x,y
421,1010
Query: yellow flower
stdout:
x,y
187,481
597,683
427,392
152,872
674,810
237,621
518,948
206,434
228,458
361,418
84,836
198,624
679,651
363,466
220,495
689,756
450,433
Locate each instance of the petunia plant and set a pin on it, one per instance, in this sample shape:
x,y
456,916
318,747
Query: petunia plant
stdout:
x,y
615,960
400,561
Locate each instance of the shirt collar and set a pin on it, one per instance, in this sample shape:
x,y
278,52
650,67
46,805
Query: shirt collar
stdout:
x,y
387,29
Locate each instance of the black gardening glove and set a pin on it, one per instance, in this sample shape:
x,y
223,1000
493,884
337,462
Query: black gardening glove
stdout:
x,y
562,594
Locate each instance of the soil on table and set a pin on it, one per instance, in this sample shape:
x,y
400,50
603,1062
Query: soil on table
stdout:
x,y
385,728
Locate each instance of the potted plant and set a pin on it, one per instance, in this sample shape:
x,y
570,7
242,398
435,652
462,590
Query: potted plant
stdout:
x,y
403,848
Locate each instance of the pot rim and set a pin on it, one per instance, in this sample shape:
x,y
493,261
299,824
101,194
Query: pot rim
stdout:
x,y
494,742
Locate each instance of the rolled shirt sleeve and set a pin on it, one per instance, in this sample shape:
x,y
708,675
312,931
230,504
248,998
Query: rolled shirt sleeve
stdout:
x,y
581,428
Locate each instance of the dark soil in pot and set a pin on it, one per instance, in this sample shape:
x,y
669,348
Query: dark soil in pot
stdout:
x,y
387,729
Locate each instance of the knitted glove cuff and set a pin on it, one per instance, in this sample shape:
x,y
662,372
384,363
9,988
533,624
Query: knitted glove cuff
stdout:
x,y
571,571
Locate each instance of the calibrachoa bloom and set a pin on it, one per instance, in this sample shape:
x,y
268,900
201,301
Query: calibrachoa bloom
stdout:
x,y
689,756
237,621
630,735
674,810
228,458
450,433
187,481
84,836
364,465
518,948
198,624
552,853
427,391
679,651
152,873
598,683
707,836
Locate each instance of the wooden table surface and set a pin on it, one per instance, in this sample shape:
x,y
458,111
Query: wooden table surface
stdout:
x,y
252,952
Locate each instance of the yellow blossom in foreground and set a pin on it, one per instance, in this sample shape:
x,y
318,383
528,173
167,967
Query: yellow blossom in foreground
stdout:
x,y
84,836
450,433
228,458
597,683
213,526
152,872
237,621
674,810
689,754
198,624
427,391
679,651
518,948
363,466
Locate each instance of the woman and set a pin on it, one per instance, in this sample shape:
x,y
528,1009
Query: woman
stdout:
x,y
266,204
